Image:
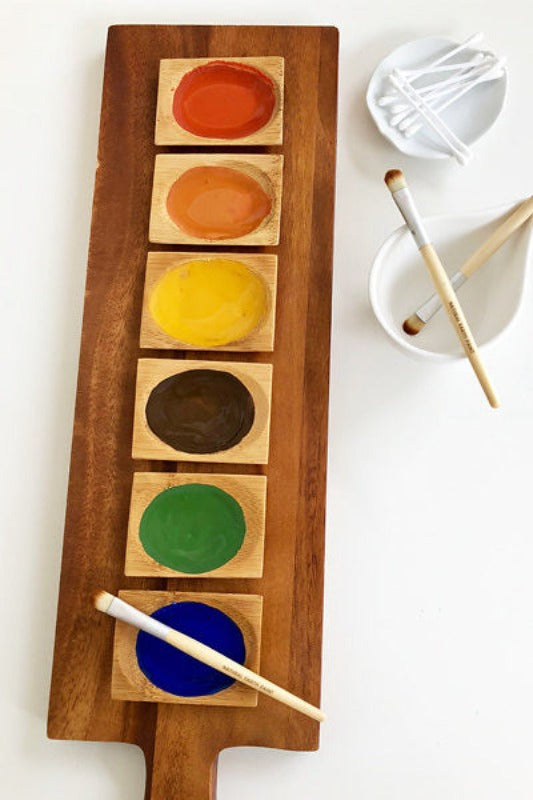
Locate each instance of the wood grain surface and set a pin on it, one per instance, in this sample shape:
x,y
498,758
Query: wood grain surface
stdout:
x,y
181,743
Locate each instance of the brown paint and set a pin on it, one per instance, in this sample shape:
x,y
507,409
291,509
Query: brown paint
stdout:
x,y
200,411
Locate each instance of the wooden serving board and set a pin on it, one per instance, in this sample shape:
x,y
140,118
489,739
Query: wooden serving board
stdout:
x,y
181,742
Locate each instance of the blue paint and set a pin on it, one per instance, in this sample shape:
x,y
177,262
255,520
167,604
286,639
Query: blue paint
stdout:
x,y
176,672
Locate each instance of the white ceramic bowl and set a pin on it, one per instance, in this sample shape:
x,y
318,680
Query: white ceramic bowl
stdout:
x,y
469,118
491,298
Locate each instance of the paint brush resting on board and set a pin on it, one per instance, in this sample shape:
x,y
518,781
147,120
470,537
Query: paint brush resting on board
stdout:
x,y
397,186
115,607
497,239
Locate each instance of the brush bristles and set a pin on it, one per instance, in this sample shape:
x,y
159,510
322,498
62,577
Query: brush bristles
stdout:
x,y
102,600
395,180
413,325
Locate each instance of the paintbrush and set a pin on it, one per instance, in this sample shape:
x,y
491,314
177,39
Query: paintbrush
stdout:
x,y
497,238
115,607
397,185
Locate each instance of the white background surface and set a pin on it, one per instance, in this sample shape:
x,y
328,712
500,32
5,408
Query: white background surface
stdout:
x,y
428,647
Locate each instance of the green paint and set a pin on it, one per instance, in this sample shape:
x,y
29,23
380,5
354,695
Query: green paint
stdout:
x,y
193,528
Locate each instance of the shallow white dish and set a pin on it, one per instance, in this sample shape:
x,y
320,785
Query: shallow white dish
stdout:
x,y
469,118
491,298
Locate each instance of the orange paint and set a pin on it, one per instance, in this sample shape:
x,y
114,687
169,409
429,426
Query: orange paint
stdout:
x,y
217,203
224,100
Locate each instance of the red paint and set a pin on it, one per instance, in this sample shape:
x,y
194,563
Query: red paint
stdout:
x,y
224,100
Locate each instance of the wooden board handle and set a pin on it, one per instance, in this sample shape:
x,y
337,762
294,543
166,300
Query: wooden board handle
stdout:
x,y
181,767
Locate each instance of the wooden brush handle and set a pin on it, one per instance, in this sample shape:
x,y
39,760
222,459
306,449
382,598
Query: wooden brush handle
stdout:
x,y
498,237
458,319
241,673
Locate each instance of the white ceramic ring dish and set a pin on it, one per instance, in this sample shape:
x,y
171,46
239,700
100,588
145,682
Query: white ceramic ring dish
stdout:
x,y
469,118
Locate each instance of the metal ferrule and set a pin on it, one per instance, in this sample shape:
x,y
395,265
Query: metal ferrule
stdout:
x,y
428,309
132,616
404,201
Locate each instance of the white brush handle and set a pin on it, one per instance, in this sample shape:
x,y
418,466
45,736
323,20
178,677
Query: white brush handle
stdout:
x,y
122,611
458,149
403,199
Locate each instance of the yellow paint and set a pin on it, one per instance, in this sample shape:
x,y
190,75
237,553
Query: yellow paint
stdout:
x,y
209,303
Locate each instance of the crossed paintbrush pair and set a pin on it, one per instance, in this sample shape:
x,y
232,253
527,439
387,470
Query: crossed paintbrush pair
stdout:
x,y
417,321
445,286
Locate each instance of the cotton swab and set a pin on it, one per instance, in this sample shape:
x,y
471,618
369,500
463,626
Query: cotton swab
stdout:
x,y
397,186
493,74
415,73
458,149
388,99
115,607
437,91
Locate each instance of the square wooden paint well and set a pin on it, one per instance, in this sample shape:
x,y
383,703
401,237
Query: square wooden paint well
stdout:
x,y
265,170
172,70
251,449
260,338
128,682
248,490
